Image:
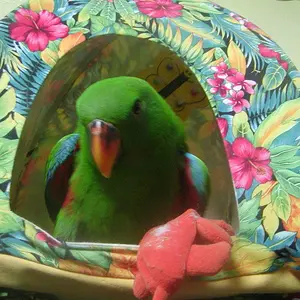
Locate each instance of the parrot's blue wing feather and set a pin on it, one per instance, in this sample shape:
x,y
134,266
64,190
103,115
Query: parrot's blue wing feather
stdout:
x,y
199,176
60,153
59,169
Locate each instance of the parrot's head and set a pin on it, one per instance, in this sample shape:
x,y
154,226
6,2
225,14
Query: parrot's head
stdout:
x,y
124,118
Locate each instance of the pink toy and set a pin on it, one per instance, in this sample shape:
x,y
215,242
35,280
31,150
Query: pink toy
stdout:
x,y
186,246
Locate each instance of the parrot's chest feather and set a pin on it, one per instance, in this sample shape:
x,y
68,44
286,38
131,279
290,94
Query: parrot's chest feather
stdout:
x,y
125,206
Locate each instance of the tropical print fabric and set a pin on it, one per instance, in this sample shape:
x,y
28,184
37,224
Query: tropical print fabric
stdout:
x,y
253,88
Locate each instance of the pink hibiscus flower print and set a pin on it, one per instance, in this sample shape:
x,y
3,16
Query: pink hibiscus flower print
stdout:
x,y
222,71
244,22
159,8
237,17
248,162
43,237
238,82
218,86
223,126
250,25
269,53
37,29
237,101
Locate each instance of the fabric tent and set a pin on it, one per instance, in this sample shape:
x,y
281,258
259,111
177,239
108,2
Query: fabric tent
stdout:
x,y
235,89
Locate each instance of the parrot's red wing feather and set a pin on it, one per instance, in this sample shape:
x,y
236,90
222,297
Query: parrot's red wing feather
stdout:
x,y
59,171
57,188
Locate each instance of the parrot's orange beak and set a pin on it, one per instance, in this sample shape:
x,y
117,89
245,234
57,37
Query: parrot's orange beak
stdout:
x,y
105,145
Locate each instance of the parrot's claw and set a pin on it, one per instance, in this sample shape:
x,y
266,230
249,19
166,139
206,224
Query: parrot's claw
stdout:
x,y
186,246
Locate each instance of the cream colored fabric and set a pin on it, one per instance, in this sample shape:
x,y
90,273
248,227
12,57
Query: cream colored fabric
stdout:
x,y
21,274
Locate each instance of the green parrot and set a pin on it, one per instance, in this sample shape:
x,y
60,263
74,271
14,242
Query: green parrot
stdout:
x,y
125,169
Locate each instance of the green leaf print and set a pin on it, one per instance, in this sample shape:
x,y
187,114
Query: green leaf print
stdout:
x,y
281,202
290,181
274,76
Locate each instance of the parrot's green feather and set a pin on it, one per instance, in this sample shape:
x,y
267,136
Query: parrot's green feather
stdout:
x,y
145,180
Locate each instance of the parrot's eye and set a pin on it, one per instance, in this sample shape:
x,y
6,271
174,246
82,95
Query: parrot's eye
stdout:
x,y
137,107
